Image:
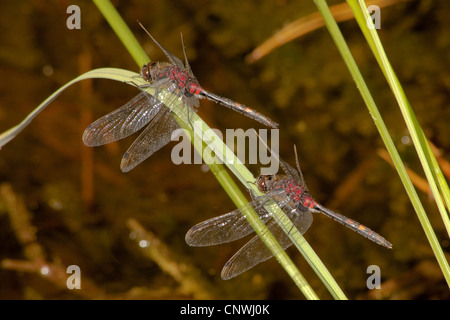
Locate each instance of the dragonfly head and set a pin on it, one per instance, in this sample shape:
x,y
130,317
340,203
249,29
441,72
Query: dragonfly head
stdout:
x,y
148,71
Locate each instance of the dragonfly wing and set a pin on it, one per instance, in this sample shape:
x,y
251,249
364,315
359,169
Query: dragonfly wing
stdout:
x,y
291,172
255,251
123,121
154,137
225,228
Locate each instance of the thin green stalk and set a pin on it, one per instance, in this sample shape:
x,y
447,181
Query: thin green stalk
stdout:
x,y
390,146
426,157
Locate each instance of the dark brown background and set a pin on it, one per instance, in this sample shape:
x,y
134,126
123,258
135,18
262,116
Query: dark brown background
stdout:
x,y
81,214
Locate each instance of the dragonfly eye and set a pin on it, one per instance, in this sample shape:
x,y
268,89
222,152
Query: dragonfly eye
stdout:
x,y
264,183
145,72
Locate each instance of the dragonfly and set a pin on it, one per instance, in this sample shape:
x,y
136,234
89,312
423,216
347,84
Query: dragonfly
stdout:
x,y
146,110
291,194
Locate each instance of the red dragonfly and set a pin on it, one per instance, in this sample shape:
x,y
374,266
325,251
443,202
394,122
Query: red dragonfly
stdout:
x,y
146,110
292,195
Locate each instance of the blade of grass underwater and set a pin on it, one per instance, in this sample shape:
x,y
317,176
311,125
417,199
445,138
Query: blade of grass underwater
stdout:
x,y
239,170
426,157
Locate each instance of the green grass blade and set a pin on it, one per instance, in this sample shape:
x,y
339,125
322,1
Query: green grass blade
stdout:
x,y
122,31
430,166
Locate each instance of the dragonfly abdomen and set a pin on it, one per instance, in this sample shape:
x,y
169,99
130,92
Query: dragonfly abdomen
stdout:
x,y
239,107
354,225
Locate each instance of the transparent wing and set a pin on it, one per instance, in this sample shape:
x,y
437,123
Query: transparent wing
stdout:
x,y
123,121
155,136
255,252
227,227
159,131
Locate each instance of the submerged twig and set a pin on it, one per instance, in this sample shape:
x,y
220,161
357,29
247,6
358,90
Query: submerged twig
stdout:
x,y
36,261
185,274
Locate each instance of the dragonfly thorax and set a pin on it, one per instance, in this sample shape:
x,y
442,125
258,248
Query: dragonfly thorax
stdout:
x,y
298,195
156,71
